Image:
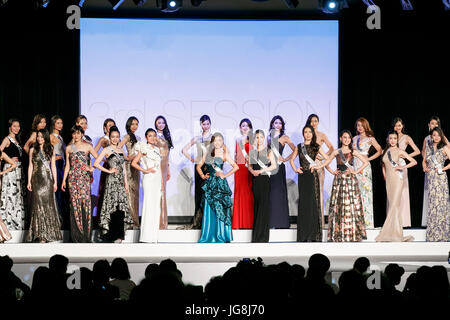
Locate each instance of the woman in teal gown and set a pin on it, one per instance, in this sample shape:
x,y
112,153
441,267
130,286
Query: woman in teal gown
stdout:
x,y
217,211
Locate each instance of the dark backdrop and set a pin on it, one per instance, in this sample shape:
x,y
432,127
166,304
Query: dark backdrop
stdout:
x,y
401,70
39,66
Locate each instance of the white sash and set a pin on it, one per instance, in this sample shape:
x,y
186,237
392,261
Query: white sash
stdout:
x,y
263,166
16,144
437,165
394,164
344,160
277,155
242,147
45,161
312,163
275,151
216,167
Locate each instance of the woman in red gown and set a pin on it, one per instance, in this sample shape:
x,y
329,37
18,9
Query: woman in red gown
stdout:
x,y
243,195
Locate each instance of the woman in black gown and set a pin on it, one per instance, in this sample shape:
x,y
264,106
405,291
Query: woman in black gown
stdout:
x,y
309,222
279,208
202,142
262,161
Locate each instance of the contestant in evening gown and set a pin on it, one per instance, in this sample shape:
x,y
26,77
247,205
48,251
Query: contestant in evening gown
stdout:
x,y
80,196
45,225
5,235
134,181
392,230
438,215
149,157
243,196
345,216
163,145
13,192
262,162
115,216
309,219
216,224
279,208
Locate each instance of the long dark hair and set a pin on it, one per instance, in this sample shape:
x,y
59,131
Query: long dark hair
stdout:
x,y
114,129
392,131
310,117
394,122
76,128
130,120
53,122
314,145
272,132
48,147
10,123
204,118
250,132
166,131
37,118
350,146
441,143
213,149
106,122
149,130
278,117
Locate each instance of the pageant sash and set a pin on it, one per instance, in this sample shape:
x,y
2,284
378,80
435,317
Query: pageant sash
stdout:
x,y
79,155
430,144
436,163
394,164
87,139
312,163
276,152
260,163
344,160
242,147
201,143
263,166
357,143
17,145
45,161
216,167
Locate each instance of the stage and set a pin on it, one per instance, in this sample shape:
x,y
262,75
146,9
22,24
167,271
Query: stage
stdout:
x,y
201,261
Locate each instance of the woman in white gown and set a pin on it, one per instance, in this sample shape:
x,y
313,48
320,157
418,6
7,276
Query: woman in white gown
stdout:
x,y
149,158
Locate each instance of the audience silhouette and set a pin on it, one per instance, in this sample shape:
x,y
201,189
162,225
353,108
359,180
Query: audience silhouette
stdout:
x,y
282,288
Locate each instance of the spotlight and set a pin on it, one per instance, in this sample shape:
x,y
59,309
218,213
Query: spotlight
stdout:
x,y
81,3
332,6
446,4
291,3
44,3
139,2
169,5
406,5
371,5
116,3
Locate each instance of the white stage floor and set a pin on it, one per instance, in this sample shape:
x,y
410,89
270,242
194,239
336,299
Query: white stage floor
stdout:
x,y
201,261
182,246
239,236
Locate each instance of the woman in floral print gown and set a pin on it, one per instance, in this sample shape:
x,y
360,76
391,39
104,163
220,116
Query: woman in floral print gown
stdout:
x,y
362,142
78,173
